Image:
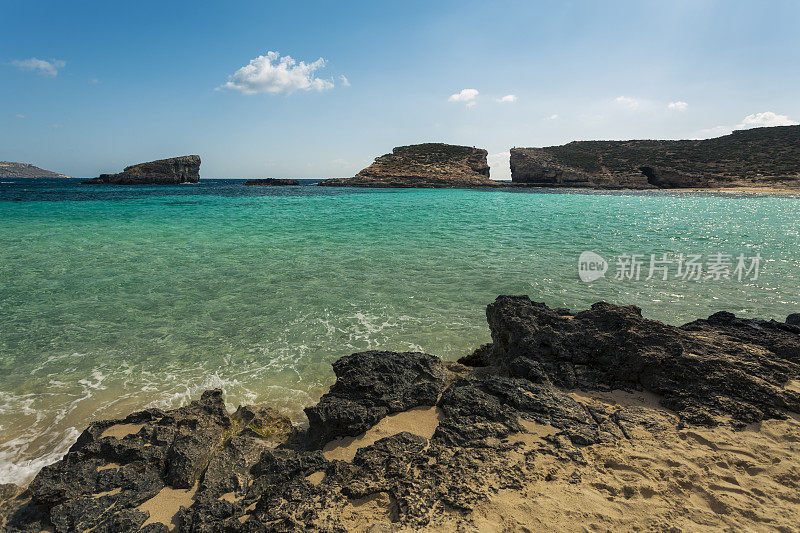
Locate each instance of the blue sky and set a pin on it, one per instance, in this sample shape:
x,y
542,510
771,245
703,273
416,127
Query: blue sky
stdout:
x,y
89,87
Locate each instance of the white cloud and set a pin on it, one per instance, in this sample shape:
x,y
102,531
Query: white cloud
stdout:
x,y
94,80
509,98
767,118
466,95
40,66
554,116
499,166
275,74
627,101
345,81
678,106
20,115
340,162
756,120
55,125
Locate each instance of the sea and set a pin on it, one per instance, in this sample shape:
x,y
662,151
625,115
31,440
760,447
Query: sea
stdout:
x,y
117,298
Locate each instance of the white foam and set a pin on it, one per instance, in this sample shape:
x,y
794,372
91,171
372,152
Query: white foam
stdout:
x,y
22,471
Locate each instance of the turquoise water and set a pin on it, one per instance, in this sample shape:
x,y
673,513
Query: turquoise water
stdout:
x,y
117,298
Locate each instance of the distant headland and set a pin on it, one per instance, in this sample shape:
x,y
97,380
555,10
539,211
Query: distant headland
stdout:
x,y
10,169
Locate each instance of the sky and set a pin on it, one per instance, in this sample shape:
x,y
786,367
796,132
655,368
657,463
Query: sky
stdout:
x,y
319,89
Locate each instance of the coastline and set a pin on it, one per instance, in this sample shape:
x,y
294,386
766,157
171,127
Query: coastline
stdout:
x,y
499,440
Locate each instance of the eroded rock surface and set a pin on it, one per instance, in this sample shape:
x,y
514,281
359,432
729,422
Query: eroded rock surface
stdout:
x,y
559,400
430,165
175,170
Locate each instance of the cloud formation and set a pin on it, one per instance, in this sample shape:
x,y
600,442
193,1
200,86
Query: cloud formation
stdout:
x,y
767,118
627,101
509,98
756,120
275,74
40,66
345,81
499,166
466,95
678,106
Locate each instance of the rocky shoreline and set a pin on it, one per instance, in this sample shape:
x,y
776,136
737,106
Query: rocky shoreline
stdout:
x,y
600,419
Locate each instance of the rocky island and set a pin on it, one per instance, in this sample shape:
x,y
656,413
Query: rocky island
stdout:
x,y
429,165
172,171
10,169
271,182
755,158
595,420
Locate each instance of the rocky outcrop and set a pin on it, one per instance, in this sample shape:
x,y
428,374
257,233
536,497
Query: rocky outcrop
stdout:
x,y
9,169
501,427
760,157
172,171
272,182
430,165
704,371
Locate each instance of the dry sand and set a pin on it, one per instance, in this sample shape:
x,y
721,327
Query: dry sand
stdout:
x,y
421,421
119,431
165,505
690,479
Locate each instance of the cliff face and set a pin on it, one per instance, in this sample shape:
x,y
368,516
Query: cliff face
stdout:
x,y
183,169
424,165
9,169
756,157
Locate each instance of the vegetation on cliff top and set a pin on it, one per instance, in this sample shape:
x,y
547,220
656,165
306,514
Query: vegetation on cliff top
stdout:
x,y
743,154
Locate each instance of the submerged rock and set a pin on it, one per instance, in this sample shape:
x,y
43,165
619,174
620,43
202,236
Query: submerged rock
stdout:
x,y
430,165
272,182
175,170
515,422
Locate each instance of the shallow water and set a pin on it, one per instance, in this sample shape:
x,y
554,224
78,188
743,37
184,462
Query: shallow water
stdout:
x,y
117,298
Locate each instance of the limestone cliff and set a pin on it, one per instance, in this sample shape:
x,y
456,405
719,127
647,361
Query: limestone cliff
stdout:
x,y
760,157
175,170
429,165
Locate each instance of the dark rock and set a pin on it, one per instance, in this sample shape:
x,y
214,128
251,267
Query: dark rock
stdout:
x,y
478,358
430,165
371,385
172,171
253,471
793,319
703,370
272,182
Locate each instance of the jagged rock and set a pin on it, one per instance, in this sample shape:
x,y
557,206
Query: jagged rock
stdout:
x,y
758,157
272,182
371,385
704,370
430,165
253,471
175,170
